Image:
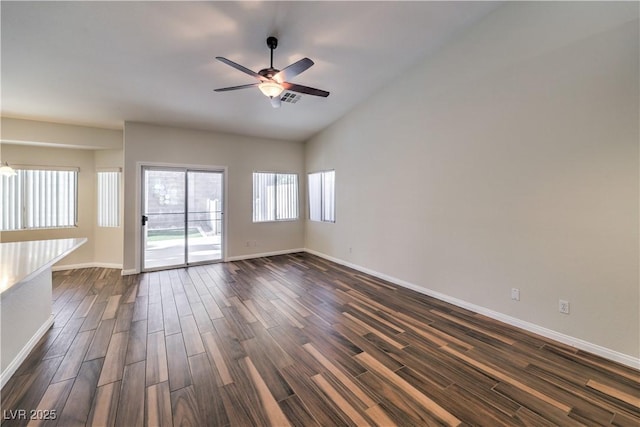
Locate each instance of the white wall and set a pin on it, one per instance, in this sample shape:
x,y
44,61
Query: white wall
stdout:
x,y
509,159
240,155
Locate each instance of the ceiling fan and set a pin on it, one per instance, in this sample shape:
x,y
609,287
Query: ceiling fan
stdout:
x,y
272,81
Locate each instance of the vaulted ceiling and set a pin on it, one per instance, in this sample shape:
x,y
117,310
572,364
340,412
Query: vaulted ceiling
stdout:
x,y
103,63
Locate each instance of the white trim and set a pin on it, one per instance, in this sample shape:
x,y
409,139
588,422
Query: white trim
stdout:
x,y
24,353
109,169
46,168
578,343
264,254
86,265
235,258
107,265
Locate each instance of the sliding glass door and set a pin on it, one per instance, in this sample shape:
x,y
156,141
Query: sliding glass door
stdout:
x,y
181,217
204,216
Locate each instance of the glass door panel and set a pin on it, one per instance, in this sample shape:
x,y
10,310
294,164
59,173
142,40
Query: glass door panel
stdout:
x,y
163,218
204,216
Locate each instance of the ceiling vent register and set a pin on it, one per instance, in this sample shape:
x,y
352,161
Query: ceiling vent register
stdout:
x,y
290,97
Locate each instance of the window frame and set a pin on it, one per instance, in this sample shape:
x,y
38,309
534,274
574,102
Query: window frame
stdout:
x,y
321,193
275,197
21,193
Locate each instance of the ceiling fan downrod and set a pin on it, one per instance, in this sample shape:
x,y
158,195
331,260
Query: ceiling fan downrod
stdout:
x,y
272,43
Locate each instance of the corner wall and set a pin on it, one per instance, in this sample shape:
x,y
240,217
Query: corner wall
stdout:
x,y
507,160
108,247
31,142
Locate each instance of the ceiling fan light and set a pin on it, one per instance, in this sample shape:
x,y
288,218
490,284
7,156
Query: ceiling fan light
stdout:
x,y
271,89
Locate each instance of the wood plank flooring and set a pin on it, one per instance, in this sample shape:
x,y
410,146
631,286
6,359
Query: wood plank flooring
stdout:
x,y
297,340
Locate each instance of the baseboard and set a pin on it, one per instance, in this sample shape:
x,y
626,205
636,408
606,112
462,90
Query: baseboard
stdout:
x,y
578,343
24,353
234,258
264,254
86,265
108,265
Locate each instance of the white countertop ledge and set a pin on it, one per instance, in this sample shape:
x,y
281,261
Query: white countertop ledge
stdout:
x,y
21,261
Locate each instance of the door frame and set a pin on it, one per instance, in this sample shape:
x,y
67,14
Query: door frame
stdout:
x,y
140,166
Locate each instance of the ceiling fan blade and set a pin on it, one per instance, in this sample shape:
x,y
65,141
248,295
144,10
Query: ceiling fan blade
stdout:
x,y
226,89
305,89
293,70
241,68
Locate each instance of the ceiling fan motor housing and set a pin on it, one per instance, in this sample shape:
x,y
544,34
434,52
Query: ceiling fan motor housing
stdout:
x,y
268,72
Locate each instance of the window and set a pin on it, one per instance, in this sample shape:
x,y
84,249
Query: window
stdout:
x,y
39,198
322,196
275,196
109,199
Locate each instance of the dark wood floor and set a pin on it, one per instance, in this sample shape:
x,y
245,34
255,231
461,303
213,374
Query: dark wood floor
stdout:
x,y
297,340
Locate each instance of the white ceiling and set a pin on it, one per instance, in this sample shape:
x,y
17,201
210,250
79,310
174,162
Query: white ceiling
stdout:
x,y
103,63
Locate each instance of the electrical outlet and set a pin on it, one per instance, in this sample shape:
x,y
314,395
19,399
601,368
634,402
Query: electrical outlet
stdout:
x,y
248,243
563,306
515,294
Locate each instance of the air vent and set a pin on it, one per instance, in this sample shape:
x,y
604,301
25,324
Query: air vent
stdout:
x,y
290,97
